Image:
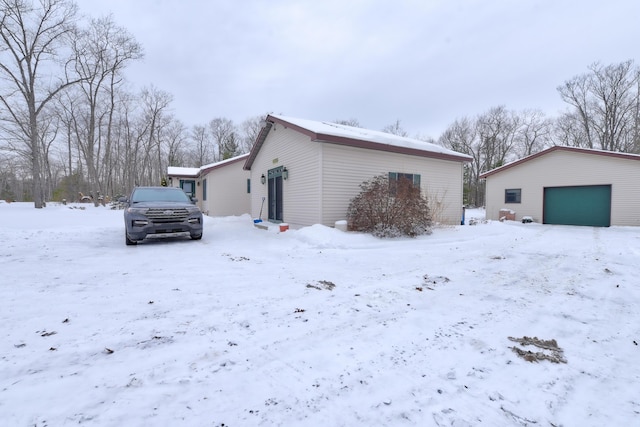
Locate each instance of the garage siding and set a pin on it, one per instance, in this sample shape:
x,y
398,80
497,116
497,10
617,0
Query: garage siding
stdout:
x,y
564,168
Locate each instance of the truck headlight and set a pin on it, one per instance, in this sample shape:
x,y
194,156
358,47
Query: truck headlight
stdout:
x,y
137,210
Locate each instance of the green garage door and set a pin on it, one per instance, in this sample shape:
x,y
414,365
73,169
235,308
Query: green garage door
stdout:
x,y
584,205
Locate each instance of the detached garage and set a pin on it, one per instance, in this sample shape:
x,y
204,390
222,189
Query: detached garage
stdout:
x,y
569,186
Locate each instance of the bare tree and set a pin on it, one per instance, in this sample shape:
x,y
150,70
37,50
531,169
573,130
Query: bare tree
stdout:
x,y
349,122
462,136
130,131
492,139
497,132
176,136
222,132
10,182
425,138
613,87
69,109
47,133
395,129
101,53
533,134
250,128
635,132
32,39
202,152
575,92
155,103
604,103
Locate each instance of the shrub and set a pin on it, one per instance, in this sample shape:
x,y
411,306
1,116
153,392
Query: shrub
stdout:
x,y
389,209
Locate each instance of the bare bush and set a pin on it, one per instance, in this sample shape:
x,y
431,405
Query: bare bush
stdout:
x,y
390,209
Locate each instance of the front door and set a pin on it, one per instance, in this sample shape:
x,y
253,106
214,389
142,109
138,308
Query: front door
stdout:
x,y
275,194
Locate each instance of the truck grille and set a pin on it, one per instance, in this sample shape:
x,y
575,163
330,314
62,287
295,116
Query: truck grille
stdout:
x,y
167,215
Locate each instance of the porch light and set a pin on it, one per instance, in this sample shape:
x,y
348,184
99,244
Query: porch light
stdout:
x,y
263,179
285,173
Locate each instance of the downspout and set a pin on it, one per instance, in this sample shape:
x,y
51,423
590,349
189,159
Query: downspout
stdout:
x,y
461,214
321,183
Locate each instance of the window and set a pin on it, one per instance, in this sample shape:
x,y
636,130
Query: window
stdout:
x,y
512,195
394,177
188,186
248,185
204,189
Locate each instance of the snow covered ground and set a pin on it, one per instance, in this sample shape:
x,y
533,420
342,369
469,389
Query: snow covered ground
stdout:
x,y
315,327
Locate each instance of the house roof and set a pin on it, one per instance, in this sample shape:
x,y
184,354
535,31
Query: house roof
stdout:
x,y
561,148
194,172
333,133
186,172
208,168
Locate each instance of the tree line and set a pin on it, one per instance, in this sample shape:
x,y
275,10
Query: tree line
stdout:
x,y
603,112
70,124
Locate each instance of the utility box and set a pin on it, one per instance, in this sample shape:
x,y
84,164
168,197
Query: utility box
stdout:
x,y
341,225
507,215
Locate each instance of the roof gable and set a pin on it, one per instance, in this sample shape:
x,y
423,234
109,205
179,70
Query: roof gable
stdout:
x,y
561,148
334,133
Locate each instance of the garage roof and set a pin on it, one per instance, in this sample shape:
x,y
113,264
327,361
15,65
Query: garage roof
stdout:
x,y
561,148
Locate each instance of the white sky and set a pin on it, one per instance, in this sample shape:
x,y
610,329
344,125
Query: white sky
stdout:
x,y
424,62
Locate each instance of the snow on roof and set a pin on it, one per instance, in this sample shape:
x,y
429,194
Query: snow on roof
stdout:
x,y
351,132
193,172
509,165
224,162
179,171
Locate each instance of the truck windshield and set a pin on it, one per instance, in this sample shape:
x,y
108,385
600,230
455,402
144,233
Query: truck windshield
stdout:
x,y
159,195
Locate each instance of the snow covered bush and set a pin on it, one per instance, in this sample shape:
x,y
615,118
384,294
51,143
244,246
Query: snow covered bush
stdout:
x,y
389,209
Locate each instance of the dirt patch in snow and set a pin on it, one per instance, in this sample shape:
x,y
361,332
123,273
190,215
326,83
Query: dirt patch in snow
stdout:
x,y
322,284
548,350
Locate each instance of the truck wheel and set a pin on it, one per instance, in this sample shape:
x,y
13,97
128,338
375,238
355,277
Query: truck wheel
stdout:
x,y
128,241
